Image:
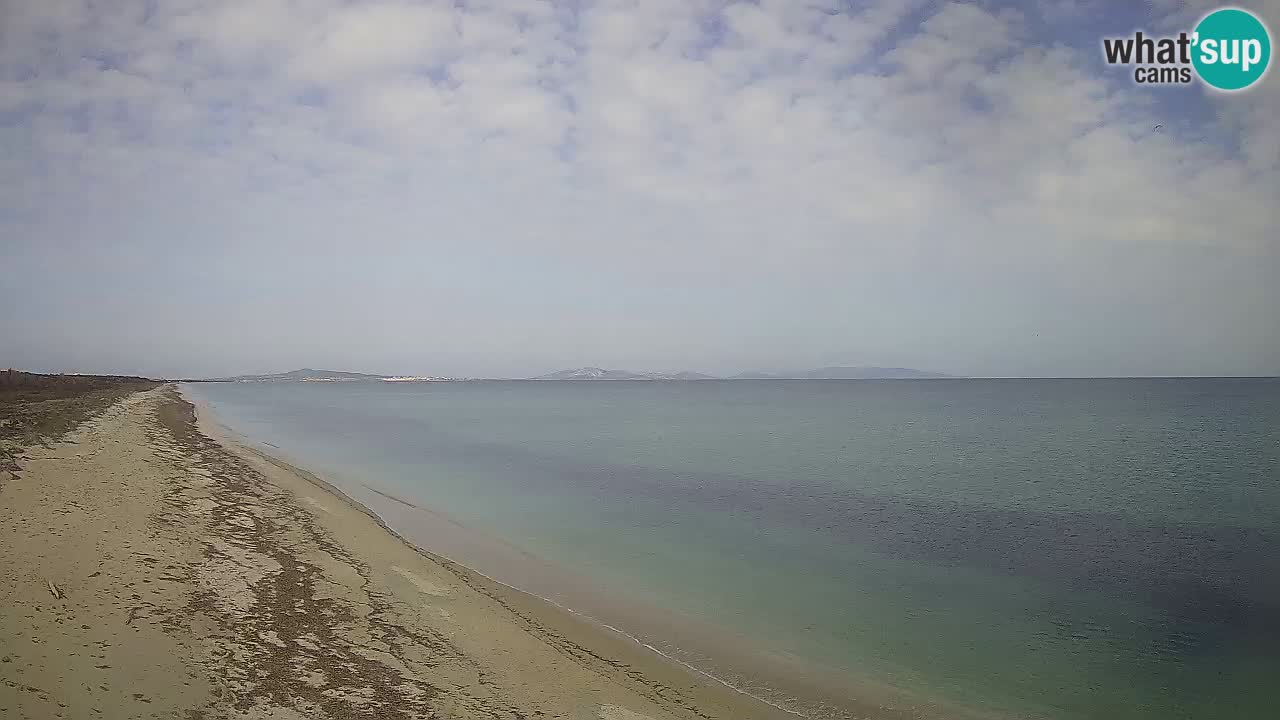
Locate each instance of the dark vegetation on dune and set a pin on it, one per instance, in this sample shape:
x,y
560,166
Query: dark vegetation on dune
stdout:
x,y
37,408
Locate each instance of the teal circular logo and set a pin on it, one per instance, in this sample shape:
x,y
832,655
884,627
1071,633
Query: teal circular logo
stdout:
x,y
1231,49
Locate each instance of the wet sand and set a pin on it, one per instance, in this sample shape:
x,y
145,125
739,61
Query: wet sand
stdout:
x,y
148,570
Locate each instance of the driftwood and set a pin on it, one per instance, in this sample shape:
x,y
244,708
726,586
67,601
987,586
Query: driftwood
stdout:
x,y
57,594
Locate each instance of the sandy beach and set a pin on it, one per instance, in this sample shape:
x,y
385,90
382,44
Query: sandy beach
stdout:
x,y
150,570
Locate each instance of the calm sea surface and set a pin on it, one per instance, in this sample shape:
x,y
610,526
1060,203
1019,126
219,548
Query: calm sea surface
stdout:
x,y
1020,548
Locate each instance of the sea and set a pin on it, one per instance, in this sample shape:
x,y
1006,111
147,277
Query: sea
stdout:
x,y
1003,548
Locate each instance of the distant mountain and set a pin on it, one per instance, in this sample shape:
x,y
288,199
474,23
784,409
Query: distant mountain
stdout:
x,y
595,373
589,373
304,375
826,373
309,376
843,373
686,375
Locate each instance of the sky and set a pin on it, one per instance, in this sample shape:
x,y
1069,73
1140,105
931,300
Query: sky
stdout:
x,y
499,188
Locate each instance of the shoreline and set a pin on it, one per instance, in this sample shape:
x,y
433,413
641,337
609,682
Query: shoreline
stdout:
x,y
462,569
149,570
583,633
210,425
600,636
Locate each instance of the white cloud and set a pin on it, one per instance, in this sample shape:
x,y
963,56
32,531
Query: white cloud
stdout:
x,y
354,40
772,139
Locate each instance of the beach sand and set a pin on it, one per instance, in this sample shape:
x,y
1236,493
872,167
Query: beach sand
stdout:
x,y
150,570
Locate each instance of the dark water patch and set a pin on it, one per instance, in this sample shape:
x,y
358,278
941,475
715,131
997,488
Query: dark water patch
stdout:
x,y
1210,585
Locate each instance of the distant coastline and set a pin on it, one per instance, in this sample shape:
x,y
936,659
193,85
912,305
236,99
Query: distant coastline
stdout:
x,y
601,374
310,375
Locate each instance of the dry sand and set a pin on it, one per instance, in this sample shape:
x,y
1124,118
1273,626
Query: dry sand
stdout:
x,y
198,579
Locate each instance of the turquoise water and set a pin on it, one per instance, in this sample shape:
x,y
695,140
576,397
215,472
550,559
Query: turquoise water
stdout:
x,y
1026,548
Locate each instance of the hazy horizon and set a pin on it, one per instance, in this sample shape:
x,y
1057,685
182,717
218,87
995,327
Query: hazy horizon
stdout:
x,y
780,373
505,189
725,376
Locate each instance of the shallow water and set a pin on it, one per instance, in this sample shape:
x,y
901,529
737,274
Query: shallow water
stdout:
x,y
1034,548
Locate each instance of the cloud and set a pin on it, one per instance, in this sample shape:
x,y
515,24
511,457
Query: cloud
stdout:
x,y
859,153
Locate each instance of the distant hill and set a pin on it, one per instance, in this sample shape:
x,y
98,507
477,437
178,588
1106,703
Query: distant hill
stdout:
x,y
595,373
686,375
304,375
844,373
826,373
